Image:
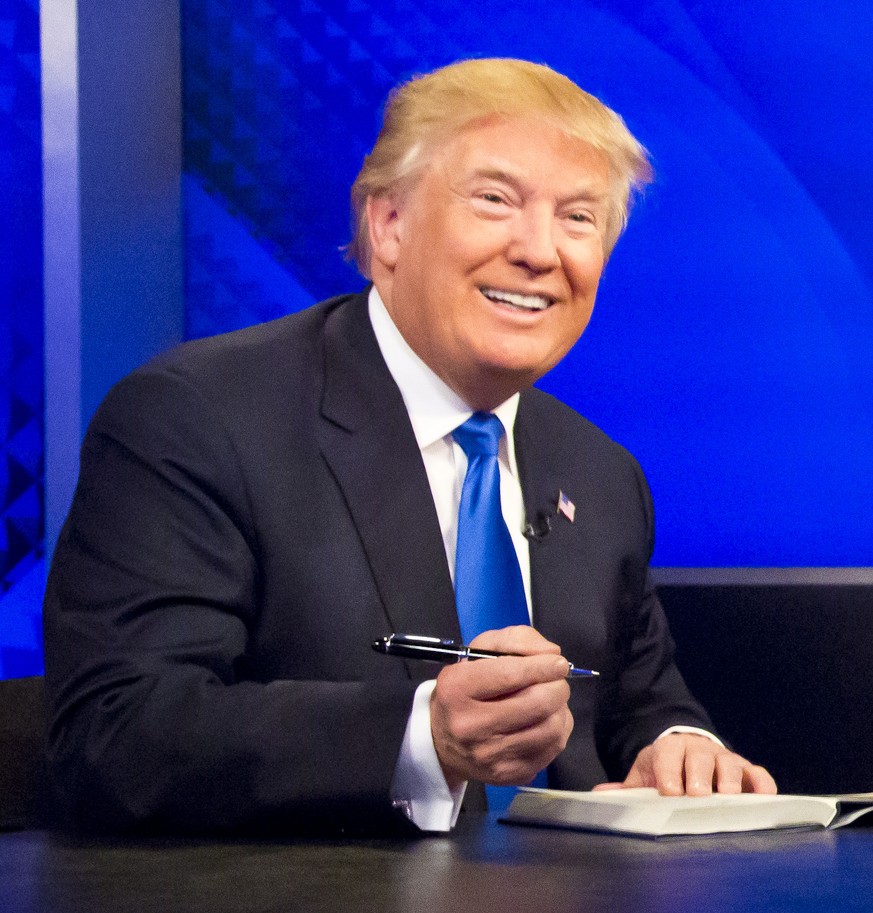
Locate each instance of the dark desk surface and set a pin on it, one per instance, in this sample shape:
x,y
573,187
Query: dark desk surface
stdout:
x,y
486,867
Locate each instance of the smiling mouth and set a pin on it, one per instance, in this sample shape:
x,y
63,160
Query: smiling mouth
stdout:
x,y
518,301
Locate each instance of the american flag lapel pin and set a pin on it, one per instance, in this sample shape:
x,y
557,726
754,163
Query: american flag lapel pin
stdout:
x,y
566,507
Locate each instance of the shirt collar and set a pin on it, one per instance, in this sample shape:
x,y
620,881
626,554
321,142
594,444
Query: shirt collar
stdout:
x,y
435,410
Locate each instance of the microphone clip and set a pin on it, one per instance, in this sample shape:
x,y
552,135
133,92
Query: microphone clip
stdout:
x,y
537,530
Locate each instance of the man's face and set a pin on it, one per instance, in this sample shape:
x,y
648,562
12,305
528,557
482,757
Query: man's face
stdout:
x,y
489,265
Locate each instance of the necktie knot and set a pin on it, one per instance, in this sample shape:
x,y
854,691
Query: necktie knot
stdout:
x,y
479,435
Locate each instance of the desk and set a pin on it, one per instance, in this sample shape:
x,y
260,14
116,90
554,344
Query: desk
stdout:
x,y
486,868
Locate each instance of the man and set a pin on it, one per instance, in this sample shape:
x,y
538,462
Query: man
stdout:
x,y
255,510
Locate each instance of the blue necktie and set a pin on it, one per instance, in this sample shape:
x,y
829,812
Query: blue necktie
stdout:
x,y
489,591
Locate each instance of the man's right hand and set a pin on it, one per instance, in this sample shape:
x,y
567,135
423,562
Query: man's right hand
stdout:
x,y
502,720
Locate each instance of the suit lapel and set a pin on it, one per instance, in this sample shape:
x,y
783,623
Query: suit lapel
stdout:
x,y
368,442
557,574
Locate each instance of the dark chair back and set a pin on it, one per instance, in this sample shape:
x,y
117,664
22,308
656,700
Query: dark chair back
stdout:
x,y
22,755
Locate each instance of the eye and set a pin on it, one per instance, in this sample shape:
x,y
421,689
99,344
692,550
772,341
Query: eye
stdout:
x,y
491,197
582,222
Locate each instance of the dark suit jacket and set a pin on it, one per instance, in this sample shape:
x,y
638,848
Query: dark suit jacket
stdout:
x,y
252,512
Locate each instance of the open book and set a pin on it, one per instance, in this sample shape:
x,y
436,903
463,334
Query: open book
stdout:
x,y
643,813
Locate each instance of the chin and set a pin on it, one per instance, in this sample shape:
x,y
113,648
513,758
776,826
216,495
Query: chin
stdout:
x,y
525,367
509,378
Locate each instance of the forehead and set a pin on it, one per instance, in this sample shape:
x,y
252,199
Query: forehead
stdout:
x,y
526,150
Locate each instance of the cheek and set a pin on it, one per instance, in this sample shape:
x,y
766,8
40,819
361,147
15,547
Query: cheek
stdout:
x,y
584,261
588,265
473,242
584,281
577,318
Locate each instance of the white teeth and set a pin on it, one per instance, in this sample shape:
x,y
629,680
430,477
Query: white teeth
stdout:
x,y
527,302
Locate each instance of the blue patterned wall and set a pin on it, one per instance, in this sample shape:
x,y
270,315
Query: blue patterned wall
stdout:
x,y
731,345
21,351
730,349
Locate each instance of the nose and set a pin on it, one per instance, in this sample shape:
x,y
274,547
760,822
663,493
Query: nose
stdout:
x,y
533,243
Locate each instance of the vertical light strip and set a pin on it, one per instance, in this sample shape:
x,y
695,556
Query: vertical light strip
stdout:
x,y
62,257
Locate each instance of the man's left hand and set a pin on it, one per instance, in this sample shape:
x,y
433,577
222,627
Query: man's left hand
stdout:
x,y
684,763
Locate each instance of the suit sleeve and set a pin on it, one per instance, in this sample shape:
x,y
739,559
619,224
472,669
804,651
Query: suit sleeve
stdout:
x,y
646,693
156,718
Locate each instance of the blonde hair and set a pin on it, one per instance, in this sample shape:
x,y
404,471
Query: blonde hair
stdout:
x,y
430,109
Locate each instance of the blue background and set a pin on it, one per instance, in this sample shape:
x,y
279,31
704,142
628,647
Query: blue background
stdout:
x,y
731,345
21,342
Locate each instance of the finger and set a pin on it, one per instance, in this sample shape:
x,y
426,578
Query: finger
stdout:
x,y
605,787
516,759
526,709
490,679
640,773
700,769
523,640
475,751
668,766
470,720
728,775
757,779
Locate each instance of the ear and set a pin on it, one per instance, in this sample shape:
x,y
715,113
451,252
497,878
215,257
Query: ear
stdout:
x,y
383,219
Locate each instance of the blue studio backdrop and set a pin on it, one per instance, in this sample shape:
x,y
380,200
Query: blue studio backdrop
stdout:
x,y
21,342
730,349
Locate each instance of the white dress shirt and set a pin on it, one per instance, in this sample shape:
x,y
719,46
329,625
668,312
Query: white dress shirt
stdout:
x,y
435,410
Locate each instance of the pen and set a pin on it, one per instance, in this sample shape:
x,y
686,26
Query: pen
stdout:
x,y
435,650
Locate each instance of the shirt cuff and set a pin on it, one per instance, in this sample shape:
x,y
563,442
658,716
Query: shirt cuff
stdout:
x,y
419,788
692,730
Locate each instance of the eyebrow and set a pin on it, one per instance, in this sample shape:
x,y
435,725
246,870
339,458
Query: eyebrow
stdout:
x,y
506,177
